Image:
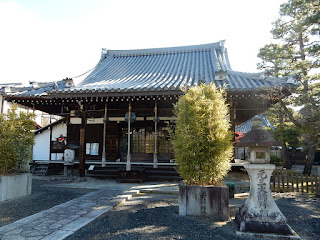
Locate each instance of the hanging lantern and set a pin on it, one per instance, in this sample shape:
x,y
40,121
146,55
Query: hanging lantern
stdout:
x,y
132,119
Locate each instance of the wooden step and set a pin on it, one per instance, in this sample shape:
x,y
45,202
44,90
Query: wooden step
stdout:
x,y
148,173
40,169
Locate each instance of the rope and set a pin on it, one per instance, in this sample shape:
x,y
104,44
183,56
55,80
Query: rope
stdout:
x,y
84,73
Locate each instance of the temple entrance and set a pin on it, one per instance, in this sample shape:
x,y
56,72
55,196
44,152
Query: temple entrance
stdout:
x,y
112,142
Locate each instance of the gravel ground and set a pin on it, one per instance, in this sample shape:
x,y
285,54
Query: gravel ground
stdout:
x,y
155,216
42,198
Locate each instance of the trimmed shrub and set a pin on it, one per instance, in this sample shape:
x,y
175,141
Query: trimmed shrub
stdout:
x,y
202,137
275,160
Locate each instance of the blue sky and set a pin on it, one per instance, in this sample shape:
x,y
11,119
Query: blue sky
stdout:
x,y
48,40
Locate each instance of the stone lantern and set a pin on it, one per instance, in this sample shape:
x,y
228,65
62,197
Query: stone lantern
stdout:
x,y
260,214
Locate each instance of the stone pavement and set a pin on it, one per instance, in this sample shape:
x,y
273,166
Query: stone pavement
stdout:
x,y
63,220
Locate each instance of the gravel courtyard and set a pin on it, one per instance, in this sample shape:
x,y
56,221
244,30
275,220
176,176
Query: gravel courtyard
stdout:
x,y
155,216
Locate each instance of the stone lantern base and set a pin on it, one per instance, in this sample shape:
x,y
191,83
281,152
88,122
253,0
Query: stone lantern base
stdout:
x,y
260,213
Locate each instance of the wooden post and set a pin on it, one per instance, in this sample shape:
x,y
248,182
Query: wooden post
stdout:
x,y
274,180
50,143
128,165
282,179
103,162
82,152
318,183
155,155
233,117
288,183
279,180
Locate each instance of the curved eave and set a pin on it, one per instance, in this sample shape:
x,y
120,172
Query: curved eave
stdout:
x,y
28,97
114,93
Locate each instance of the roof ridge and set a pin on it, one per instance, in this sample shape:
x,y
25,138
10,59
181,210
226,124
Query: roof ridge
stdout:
x,y
165,50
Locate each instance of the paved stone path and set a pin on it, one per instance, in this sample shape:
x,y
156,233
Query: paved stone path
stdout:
x,y
63,220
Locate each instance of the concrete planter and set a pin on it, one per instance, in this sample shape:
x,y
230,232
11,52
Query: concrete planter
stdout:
x,y
15,186
209,201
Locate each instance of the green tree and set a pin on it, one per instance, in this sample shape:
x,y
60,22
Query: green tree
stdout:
x,y
296,55
285,132
202,139
17,140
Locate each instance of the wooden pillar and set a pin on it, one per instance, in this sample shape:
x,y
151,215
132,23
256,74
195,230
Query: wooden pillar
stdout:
x,y
82,152
128,165
155,155
50,143
233,117
103,162
2,104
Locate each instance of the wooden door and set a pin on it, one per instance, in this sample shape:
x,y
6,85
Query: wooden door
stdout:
x,y
112,139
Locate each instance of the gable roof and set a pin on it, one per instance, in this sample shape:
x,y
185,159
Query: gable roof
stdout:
x,y
163,69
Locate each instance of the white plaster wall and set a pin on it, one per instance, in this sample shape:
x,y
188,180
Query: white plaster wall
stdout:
x,y
58,130
41,148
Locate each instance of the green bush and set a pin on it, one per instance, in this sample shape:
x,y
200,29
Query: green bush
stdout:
x,y
275,160
17,140
202,137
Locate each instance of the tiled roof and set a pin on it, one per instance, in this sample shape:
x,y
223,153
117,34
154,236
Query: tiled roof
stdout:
x,y
39,89
246,126
164,69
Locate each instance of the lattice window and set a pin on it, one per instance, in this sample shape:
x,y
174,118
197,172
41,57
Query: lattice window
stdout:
x,y
142,140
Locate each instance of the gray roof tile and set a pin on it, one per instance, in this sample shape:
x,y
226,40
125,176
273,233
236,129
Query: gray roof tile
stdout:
x,y
43,88
167,69
162,69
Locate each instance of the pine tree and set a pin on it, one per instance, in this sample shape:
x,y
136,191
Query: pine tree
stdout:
x,y
296,53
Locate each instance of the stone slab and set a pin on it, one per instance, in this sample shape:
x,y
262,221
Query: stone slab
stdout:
x,y
267,235
209,201
15,186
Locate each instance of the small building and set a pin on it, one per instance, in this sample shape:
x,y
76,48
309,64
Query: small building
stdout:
x,y
41,118
50,142
119,113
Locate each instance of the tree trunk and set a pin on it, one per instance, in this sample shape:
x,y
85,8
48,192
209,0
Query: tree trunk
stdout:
x,y
285,155
291,158
309,160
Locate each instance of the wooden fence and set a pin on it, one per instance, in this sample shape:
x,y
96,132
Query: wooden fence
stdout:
x,y
284,181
